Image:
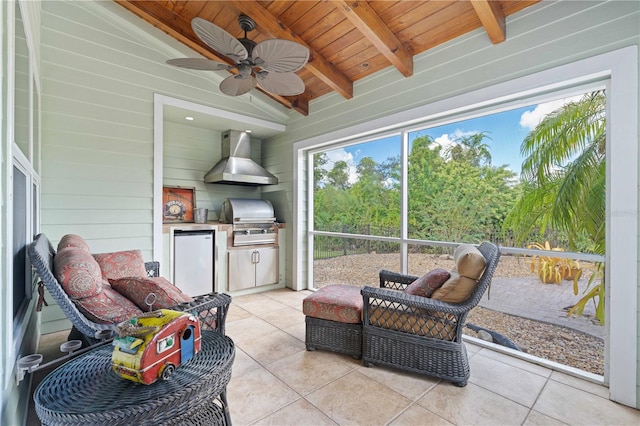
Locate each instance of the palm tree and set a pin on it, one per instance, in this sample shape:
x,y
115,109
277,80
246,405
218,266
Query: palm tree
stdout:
x,y
471,149
564,179
564,174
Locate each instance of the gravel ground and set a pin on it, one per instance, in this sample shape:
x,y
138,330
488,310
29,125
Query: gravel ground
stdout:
x,y
544,340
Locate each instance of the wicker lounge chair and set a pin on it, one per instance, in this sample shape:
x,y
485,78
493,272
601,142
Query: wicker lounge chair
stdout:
x,y
429,338
211,310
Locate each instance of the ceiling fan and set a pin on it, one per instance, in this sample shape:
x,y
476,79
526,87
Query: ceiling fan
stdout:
x,y
270,64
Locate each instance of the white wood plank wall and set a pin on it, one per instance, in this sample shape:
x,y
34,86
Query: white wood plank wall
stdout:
x,y
189,153
99,75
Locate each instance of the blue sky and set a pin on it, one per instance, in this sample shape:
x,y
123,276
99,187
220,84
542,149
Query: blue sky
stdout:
x,y
505,133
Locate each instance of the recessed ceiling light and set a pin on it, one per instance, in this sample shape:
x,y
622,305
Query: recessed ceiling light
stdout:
x,y
248,130
189,118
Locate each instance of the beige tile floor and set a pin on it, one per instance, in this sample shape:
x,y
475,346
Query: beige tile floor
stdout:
x,y
275,381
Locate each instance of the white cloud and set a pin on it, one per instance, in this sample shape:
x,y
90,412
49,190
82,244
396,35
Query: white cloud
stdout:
x,y
448,140
530,119
444,141
336,155
458,133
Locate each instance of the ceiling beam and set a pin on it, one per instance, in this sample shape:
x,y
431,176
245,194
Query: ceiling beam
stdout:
x,y
492,17
317,64
167,21
367,21
172,24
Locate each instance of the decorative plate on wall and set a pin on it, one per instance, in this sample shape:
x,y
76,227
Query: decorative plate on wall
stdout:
x,y
177,204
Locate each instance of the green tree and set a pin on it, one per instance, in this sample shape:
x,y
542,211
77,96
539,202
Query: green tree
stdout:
x,y
319,171
375,202
463,199
331,208
471,149
338,176
456,199
390,172
564,174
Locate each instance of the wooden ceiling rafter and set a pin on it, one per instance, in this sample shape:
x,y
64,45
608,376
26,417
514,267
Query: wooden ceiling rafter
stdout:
x,y
317,64
367,21
348,40
159,19
493,19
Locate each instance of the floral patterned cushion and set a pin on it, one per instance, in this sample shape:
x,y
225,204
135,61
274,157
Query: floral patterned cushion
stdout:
x,y
108,307
121,264
428,283
78,273
72,240
336,302
137,289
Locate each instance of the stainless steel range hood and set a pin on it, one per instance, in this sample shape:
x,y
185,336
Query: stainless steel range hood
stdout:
x,y
236,166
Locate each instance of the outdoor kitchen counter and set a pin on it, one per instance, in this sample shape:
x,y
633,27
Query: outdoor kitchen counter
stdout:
x,y
215,225
211,225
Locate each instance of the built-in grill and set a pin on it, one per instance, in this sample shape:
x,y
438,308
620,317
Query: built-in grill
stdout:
x,y
253,221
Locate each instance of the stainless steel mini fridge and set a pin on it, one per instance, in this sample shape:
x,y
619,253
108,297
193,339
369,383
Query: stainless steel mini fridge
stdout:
x,y
193,261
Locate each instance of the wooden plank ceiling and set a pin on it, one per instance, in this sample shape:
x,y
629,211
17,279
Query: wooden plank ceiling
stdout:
x,y
348,40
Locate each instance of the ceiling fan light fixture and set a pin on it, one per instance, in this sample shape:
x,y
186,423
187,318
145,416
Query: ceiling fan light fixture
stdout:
x,y
270,64
244,69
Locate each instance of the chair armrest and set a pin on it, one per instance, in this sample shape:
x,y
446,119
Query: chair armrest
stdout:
x,y
210,308
394,280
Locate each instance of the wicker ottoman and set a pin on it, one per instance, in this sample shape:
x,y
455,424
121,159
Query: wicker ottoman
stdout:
x,y
333,316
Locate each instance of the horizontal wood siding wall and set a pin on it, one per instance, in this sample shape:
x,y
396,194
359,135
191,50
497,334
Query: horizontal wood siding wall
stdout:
x,y
189,153
98,124
31,11
276,157
101,66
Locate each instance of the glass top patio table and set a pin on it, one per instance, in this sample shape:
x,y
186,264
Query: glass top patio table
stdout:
x,y
85,390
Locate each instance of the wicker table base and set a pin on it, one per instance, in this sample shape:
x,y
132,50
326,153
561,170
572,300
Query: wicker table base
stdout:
x,y
85,390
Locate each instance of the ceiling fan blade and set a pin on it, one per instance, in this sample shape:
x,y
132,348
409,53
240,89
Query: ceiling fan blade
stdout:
x,y
237,85
280,83
199,64
278,55
219,40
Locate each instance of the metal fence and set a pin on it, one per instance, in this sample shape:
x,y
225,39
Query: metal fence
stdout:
x,y
325,247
